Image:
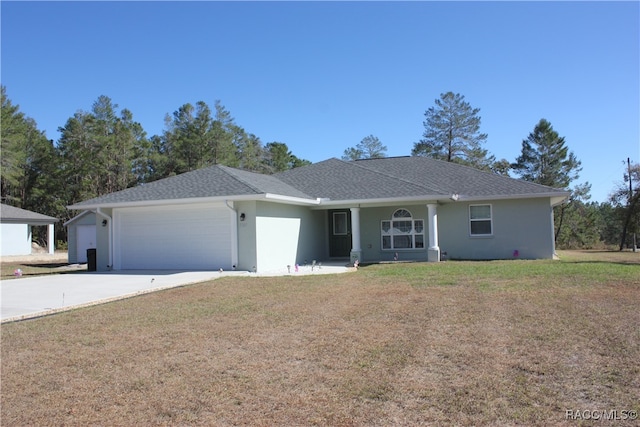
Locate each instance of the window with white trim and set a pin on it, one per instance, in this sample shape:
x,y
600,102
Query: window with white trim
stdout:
x,y
480,220
402,231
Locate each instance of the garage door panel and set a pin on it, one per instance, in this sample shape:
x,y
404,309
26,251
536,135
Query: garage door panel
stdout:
x,y
174,237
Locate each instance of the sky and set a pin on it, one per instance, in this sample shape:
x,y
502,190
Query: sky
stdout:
x,y
321,76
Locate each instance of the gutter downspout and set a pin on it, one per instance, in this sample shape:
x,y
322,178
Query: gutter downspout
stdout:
x,y
234,235
110,231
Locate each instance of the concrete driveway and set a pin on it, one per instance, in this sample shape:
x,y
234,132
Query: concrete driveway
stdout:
x,y
28,297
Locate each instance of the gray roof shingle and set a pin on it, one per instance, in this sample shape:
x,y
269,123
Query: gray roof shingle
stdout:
x,y
11,214
403,177
336,180
213,181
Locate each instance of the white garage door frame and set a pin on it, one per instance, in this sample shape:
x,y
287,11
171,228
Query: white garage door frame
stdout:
x,y
173,237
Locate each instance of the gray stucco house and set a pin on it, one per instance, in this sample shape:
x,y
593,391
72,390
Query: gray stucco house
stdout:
x,y
405,208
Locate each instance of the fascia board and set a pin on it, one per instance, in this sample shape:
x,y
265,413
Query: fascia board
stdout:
x,y
290,200
559,196
387,201
29,221
164,202
75,218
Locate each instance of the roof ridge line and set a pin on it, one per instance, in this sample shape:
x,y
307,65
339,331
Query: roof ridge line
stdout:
x,y
228,169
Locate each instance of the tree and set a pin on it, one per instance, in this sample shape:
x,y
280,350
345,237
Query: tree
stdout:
x,y
626,201
369,148
452,133
546,160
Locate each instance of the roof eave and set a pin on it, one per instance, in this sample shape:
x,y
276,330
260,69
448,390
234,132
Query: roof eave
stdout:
x,y
556,197
164,202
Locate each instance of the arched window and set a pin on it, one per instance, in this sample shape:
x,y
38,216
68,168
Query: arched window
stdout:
x,y
402,231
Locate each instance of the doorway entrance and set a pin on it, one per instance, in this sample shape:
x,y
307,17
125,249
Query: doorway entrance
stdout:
x,y
339,233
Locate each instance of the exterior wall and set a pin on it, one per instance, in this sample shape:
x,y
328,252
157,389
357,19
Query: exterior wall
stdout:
x,y
72,235
247,255
274,235
103,258
15,239
371,238
525,226
288,235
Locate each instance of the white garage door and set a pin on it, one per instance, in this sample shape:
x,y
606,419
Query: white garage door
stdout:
x,y
196,237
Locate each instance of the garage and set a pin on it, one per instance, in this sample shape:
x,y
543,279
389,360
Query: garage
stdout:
x,y
196,237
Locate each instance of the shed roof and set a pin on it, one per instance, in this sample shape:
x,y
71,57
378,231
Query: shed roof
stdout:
x,y
13,215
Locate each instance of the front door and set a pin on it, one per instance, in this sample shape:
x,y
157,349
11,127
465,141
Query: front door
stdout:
x,y
339,233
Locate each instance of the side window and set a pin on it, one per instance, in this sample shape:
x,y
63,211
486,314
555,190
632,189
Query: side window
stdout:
x,y
480,220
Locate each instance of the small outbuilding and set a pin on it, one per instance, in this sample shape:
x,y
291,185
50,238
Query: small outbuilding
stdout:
x,y
16,230
81,235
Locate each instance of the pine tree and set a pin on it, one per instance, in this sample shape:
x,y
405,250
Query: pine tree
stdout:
x,y
452,133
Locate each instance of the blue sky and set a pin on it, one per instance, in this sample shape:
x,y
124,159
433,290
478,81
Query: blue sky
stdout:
x,y
320,76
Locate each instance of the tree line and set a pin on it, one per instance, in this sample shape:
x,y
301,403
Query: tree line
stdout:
x,y
105,150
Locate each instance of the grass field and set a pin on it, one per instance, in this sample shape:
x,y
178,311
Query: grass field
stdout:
x,y
454,343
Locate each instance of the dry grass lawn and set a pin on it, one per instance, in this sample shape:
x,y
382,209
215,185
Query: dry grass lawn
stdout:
x,y
455,343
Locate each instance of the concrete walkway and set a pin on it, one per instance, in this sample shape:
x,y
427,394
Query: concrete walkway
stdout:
x,y
28,297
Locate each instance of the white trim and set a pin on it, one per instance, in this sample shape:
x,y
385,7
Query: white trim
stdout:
x,y
216,199
320,203
77,217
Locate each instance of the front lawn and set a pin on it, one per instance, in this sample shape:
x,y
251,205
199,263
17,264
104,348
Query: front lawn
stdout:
x,y
454,343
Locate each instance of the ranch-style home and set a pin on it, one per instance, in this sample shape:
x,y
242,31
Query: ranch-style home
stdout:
x,y
399,208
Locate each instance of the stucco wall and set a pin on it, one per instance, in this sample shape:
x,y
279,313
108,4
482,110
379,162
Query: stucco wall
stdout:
x,y
274,235
286,235
525,226
102,242
247,258
16,239
520,227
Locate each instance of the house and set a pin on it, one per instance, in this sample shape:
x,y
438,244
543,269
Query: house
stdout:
x,y
81,235
16,230
401,208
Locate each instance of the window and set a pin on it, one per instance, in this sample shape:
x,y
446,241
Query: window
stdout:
x,y
480,223
339,223
402,231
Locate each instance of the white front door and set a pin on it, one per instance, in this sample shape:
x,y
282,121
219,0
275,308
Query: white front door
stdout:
x,y
85,239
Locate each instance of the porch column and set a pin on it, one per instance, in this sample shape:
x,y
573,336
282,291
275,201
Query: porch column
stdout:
x,y
433,252
356,250
51,239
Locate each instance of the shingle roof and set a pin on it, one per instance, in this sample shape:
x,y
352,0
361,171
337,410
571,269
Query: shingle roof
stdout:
x,y
11,214
213,181
334,179
394,177
452,178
